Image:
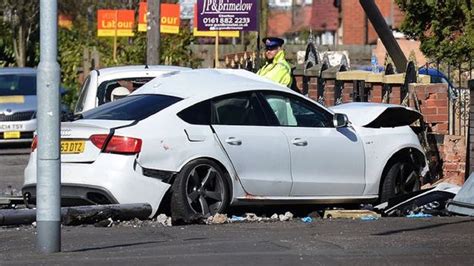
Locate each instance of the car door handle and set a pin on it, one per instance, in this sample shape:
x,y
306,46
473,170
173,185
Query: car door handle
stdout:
x,y
233,141
299,142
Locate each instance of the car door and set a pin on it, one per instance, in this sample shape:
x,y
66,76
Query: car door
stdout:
x,y
258,152
325,161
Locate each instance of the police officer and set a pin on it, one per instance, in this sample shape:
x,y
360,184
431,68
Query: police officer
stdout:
x,y
276,68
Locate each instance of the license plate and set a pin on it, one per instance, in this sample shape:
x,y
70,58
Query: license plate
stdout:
x,y
11,135
11,127
72,146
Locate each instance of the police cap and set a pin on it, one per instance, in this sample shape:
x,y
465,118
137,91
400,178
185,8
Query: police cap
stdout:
x,y
272,42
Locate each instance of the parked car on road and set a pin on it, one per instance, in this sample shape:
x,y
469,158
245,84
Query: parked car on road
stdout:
x,y
100,84
18,104
214,138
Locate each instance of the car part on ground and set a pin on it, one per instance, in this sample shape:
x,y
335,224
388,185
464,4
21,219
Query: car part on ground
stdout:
x,y
223,138
429,201
80,214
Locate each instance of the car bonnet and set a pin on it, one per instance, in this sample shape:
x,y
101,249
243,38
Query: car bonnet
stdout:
x,y
377,115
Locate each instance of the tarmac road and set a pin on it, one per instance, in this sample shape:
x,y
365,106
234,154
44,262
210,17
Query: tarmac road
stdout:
x,y
393,241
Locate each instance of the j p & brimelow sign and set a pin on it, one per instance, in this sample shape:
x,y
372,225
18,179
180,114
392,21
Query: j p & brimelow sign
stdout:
x,y
240,15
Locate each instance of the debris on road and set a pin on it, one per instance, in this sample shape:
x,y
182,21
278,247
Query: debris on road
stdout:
x,y
419,215
288,216
93,214
349,214
217,219
431,201
307,220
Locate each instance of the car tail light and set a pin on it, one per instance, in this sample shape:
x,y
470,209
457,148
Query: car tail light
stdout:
x,y
34,144
117,144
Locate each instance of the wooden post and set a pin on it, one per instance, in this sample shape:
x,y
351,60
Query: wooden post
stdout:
x,y
216,52
115,36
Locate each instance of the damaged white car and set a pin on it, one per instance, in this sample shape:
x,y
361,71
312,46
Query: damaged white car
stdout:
x,y
214,138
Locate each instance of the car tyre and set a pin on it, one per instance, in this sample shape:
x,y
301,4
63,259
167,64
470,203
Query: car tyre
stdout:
x,y
401,179
200,190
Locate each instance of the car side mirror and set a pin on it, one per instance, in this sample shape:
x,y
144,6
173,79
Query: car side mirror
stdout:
x,y
340,120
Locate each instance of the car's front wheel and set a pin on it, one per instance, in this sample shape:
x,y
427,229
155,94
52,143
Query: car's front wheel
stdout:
x,y
401,178
200,190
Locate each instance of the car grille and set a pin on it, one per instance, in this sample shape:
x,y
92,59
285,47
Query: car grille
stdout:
x,y
20,116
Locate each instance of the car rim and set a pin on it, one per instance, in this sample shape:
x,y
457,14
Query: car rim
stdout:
x,y
407,180
205,189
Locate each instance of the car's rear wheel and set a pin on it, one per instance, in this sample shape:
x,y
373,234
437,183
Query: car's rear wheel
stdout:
x,y
200,190
401,178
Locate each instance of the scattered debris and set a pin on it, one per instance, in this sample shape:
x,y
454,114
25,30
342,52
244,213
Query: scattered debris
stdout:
x,y
431,201
288,216
163,220
350,214
217,219
369,218
307,219
419,215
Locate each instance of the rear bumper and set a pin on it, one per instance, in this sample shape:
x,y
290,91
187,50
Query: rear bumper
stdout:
x,y
74,195
111,178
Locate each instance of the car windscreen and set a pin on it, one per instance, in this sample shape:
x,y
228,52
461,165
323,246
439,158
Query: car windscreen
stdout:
x,y
133,107
17,84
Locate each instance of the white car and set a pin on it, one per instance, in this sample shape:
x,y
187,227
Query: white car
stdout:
x,y
214,138
99,85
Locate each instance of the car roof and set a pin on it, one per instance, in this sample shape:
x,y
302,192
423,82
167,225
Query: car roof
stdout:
x,y
208,83
139,68
17,70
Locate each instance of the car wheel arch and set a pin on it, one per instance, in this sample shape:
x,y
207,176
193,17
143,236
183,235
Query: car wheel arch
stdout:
x,y
415,155
219,163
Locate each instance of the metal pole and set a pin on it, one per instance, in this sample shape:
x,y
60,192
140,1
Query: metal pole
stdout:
x,y
48,200
153,33
385,34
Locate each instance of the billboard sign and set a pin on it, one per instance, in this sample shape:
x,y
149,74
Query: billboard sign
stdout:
x,y
198,33
118,22
240,15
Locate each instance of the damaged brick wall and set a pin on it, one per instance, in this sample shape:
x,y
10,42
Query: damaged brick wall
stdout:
x,y
452,152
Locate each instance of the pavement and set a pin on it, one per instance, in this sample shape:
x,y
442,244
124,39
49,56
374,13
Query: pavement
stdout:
x,y
387,241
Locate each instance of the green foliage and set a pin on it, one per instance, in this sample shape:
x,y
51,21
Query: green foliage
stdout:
x,y
445,28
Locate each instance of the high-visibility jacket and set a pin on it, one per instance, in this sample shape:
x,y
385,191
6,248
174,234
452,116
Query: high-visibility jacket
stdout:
x,y
278,70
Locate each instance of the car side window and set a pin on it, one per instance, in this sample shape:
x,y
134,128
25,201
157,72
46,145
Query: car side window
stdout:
x,y
294,112
241,109
198,114
82,96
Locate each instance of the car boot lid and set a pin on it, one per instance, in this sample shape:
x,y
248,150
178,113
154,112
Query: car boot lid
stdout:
x,y
76,144
376,115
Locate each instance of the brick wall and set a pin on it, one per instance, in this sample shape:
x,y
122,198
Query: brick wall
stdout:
x,y
452,153
433,99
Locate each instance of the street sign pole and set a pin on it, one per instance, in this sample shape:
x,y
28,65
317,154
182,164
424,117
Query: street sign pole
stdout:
x,y
48,200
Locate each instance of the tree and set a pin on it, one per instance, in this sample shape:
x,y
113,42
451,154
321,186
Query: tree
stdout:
x,y
444,28
21,17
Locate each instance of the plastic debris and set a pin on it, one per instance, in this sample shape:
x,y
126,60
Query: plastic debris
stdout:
x,y
307,219
288,216
369,218
234,219
163,220
349,214
419,215
274,217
